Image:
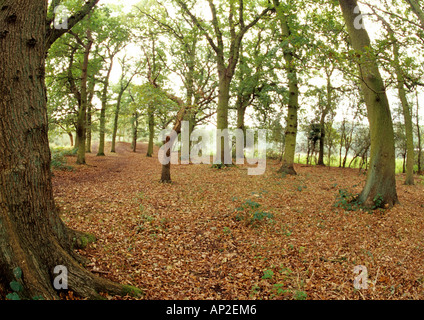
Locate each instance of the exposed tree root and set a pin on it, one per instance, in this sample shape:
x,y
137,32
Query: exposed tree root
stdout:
x,y
287,169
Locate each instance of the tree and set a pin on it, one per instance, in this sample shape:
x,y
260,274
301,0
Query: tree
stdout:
x,y
416,8
293,86
418,136
190,60
401,88
226,45
114,37
65,80
127,76
34,240
81,93
331,136
381,181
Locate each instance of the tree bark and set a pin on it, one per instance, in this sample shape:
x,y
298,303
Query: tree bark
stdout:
x,y
135,132
88,129
381,181
115,122
416,8
166,168
419,136
101,150
410,152
71,139
222,113
82,112
33,238
326,110
287,166
151,131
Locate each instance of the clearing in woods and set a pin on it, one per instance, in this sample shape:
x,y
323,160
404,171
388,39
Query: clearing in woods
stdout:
x,y
221,234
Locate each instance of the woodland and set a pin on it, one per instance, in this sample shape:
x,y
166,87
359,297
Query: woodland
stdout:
x,y
108,189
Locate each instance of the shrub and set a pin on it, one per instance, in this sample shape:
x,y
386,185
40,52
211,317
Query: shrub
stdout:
x,y
58,158
248,212
347,200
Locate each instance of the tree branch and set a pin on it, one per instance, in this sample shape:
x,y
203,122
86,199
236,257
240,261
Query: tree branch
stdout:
x,y
53,34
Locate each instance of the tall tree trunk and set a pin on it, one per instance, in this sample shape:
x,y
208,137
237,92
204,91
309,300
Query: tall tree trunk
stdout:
x,y
322,120
419,136
166,168
404,162
347,148
340,152
134,132
151,117
222,113
76,144
82,112
71,139
190,97
321,143
33,238
241,114
102,129
88,130
381,181
293,105
115,122
410,152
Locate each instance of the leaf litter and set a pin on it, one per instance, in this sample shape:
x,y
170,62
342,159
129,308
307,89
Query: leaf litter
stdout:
x,y
221,234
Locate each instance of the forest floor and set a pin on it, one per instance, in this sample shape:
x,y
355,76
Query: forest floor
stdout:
x,y
222,234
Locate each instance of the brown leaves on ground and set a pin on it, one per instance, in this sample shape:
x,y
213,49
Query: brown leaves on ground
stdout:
x,y
222,234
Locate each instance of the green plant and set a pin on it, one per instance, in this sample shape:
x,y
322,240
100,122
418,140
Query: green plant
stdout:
x,y
260,215
286,271
58,159
347,200
279,290
254,290
300,188
251,216
378,201
145,218
268,274
218,165
15,285
251,204
300,295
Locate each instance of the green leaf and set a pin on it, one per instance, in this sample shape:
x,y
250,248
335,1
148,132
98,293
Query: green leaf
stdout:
x,y
268,274
17,272
16,286
13,296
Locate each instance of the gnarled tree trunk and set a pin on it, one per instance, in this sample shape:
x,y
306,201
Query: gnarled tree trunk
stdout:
x,y
33,238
